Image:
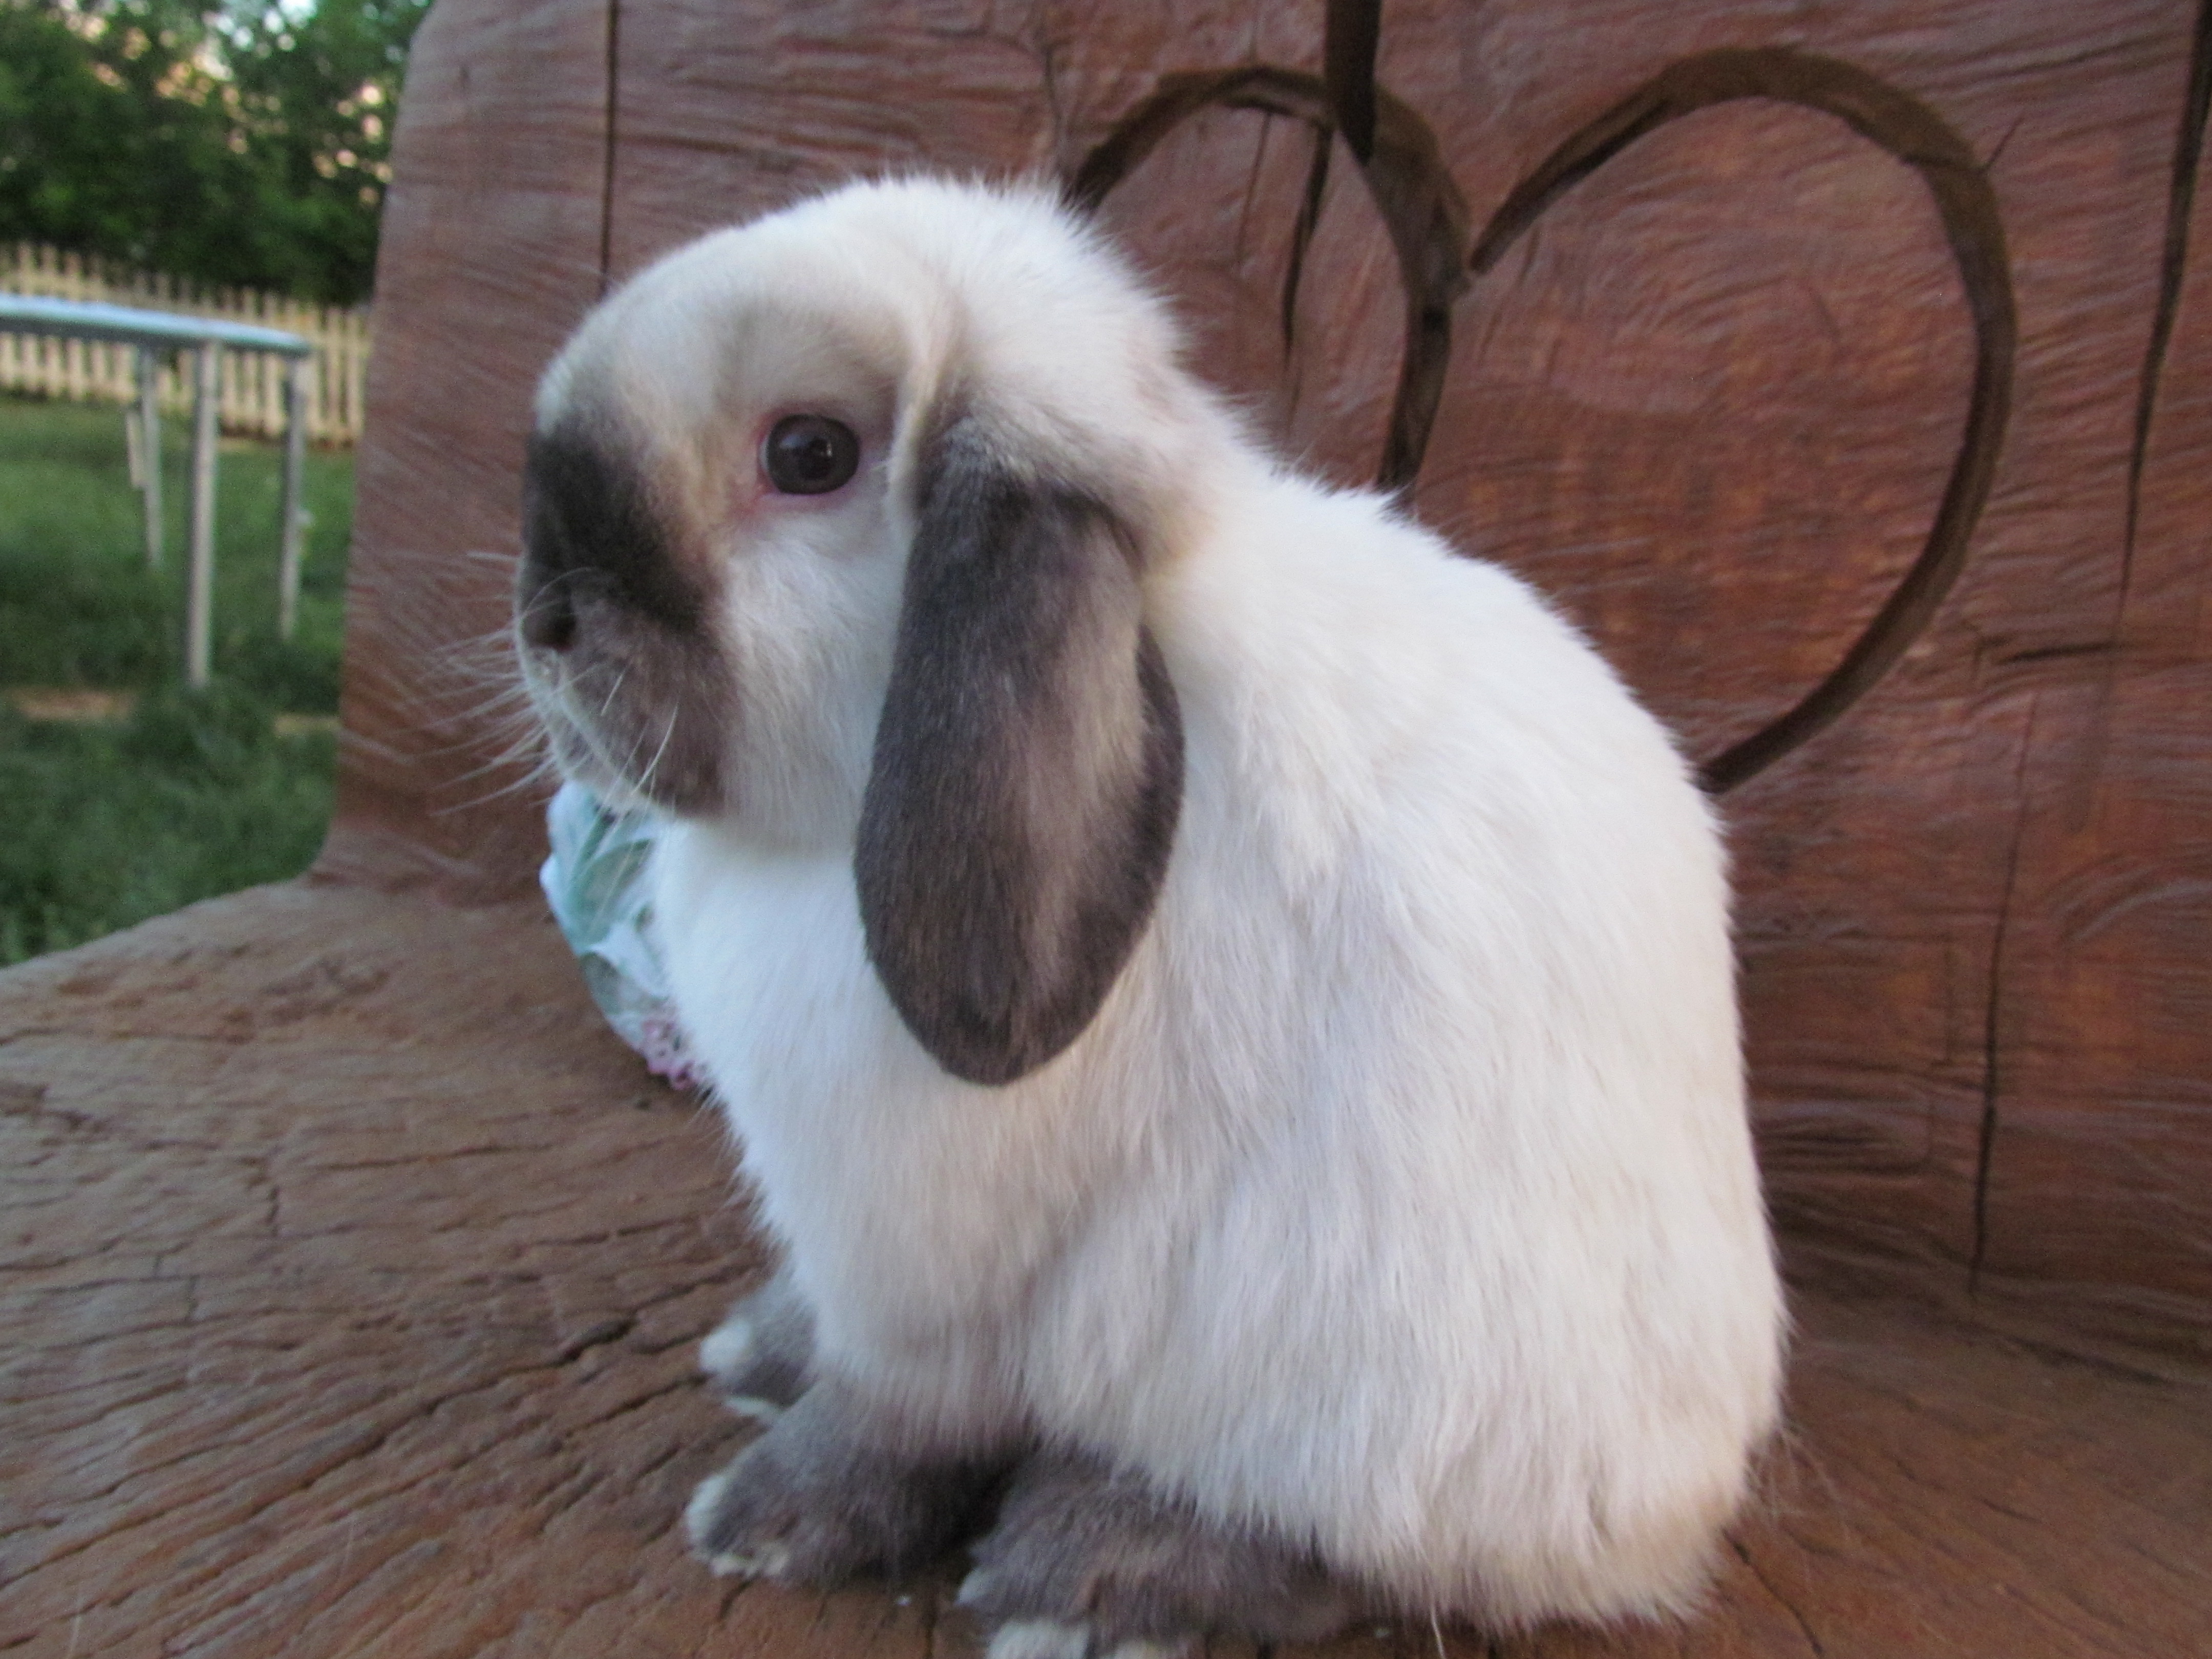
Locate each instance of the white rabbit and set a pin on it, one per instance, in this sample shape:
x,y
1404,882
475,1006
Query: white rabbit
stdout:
x,y
1227,1004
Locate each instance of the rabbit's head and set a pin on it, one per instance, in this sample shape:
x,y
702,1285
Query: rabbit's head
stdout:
x,y
837,535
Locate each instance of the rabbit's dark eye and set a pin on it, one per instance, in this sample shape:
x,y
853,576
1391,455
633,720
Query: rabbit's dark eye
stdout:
x,y
810,455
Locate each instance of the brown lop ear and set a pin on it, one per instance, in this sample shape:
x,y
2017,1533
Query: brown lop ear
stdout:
x,y
1028,766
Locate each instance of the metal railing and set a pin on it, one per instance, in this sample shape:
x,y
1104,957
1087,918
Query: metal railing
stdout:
x,y
253,390
154,335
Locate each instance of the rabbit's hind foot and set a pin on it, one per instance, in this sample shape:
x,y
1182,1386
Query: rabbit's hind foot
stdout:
x,y
1086,1565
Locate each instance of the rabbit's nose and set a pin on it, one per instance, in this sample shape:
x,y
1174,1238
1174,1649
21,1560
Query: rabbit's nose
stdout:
x,y
549,617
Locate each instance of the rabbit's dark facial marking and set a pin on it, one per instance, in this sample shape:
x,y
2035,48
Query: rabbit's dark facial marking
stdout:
x,y
588,525
1028,768
614,626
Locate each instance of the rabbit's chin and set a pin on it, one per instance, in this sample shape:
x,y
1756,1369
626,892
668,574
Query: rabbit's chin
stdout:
x,y
582,756
641,729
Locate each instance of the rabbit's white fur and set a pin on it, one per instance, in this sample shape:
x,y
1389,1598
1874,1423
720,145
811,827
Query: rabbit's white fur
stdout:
x,y
1400,1195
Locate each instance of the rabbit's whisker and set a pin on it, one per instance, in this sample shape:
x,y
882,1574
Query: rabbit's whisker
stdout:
x,y
653,766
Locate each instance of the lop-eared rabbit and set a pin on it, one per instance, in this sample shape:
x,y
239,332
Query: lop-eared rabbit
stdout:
x,y
1225,1002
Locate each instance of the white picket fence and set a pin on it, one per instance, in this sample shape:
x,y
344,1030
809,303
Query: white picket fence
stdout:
x,y
252,382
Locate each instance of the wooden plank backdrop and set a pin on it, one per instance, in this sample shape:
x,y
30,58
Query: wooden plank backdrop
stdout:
x,y
1710,398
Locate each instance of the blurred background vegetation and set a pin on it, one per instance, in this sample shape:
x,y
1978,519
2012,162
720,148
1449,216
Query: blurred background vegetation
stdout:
x,y
122,794
241,144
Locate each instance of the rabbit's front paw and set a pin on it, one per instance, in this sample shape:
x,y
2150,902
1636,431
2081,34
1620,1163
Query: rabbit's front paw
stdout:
x,y
1082,1564
820,1497
758,1356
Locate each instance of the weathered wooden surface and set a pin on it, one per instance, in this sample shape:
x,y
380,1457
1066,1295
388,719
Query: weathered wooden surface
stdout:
x,y
351,1277
351,1271
1710,400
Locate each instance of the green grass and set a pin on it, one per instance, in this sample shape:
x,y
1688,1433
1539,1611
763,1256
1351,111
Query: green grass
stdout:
x,y
102,826
79,607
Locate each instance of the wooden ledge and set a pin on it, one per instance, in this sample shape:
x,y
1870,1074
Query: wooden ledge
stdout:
x,y
352,1274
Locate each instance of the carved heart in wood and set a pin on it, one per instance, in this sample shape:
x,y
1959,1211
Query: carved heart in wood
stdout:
x,y
1426,217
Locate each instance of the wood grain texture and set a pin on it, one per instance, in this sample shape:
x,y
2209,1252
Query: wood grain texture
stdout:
x,y
2103,1025
352,1274
490,254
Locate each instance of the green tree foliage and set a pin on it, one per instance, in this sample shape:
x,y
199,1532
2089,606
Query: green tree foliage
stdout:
x,y
239,142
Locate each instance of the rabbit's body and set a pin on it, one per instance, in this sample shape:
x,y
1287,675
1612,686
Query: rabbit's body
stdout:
x,y
1401,1194
1388,1191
